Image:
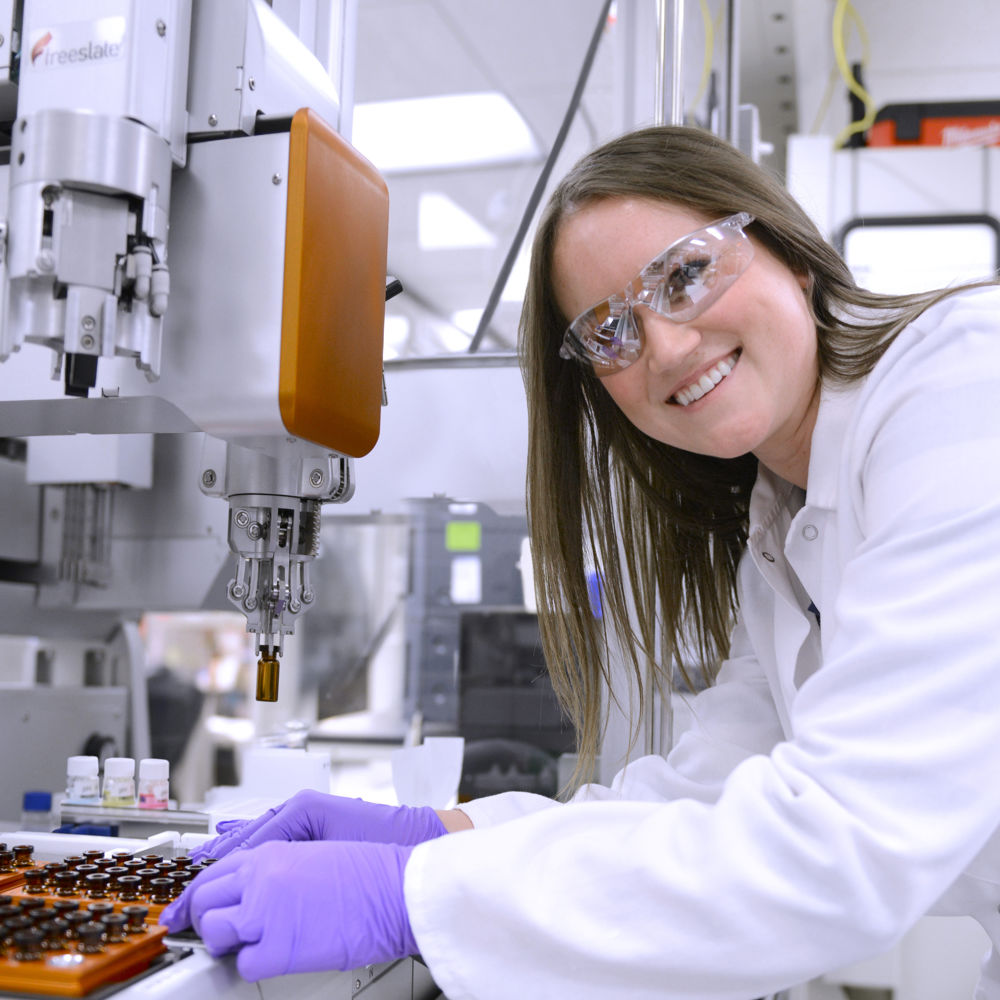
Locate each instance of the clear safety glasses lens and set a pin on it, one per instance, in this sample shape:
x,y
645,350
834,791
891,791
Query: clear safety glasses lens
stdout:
x,y
679,284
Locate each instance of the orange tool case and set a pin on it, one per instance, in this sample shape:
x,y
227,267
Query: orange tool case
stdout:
x,y
958,123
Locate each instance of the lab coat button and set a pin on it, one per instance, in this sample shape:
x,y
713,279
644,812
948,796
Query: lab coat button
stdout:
x,y
768,556
810,532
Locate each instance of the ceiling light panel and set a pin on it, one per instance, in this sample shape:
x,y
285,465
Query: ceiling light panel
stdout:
x,y
445,132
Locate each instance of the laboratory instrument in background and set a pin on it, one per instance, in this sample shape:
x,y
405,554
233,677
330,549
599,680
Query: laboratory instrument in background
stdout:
x,y
175,267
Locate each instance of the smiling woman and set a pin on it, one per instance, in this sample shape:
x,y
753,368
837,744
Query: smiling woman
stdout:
x,y
614,453
747,456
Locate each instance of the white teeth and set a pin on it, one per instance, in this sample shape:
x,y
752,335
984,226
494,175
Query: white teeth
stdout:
x,y
707,382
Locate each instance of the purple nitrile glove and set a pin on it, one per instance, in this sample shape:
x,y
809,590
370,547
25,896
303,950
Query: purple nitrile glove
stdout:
x,y
311,815
301,907
226,830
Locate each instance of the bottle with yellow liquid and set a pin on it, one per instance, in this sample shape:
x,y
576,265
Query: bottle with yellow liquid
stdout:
x,y
119,783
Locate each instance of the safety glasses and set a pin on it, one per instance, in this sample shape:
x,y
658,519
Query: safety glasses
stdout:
x,y
679,284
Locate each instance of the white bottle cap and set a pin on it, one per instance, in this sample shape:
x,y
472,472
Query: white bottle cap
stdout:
x,y
154,768
81,767
119,767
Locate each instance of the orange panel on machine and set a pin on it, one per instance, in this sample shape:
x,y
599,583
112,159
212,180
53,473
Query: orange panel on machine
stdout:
x,y
333,309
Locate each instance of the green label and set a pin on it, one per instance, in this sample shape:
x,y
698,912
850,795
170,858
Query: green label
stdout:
x,y
463,536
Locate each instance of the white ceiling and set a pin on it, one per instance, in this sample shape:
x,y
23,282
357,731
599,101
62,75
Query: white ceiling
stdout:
x,y
528,50
532,50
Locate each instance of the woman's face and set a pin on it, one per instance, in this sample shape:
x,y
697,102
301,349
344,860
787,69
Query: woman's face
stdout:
x,y
760,331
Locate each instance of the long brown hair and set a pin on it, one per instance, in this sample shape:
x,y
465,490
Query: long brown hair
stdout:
x,y
662,529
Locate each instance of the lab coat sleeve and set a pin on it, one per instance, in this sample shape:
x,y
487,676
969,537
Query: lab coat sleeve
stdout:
x,y
721,726
826,850
716,730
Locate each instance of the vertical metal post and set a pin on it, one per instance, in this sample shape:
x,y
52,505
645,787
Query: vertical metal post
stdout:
x,y
669,103
732,108
127,646
343,63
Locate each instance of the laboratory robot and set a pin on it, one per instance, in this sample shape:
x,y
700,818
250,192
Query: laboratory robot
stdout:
x,y
192,295
190,248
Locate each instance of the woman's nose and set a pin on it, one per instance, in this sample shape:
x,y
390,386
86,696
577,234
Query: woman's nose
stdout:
x,y
665,343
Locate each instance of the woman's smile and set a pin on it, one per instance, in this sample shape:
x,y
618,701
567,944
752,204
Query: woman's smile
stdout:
x,y
700,387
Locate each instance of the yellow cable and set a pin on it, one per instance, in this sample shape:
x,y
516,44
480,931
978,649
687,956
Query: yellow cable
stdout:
x,y
859,26
824,104
839,49
706,67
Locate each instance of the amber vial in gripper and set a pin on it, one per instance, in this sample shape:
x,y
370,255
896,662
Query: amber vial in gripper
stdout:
x,y
267,675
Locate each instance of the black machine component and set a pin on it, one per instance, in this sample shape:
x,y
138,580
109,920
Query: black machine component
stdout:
x,y
463,558
508,713
474,657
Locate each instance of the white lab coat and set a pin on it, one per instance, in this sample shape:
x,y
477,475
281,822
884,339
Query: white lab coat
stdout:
x,y
835,785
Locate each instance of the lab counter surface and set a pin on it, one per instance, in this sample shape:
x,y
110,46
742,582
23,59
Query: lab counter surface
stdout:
x,y
187,972
195,975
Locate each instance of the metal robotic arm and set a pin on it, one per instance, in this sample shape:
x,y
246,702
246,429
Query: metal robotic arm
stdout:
x,y
100,124
179,207
275,537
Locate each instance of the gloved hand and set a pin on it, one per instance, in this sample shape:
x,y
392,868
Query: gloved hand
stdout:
x,y
302,907
311,815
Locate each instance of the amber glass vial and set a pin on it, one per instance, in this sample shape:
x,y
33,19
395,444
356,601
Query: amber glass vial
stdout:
x,y
28,945
129,887
91,937
115,925
34,881
267,677
160,890
97,885
53,934
73,921
65,883
136,916
22,855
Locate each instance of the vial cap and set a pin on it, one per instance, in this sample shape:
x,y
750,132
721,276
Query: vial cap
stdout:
x,y
37,801
81,766
119,767
154,768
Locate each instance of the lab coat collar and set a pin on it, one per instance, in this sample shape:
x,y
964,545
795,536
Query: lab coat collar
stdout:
x,y
836,408
772,494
